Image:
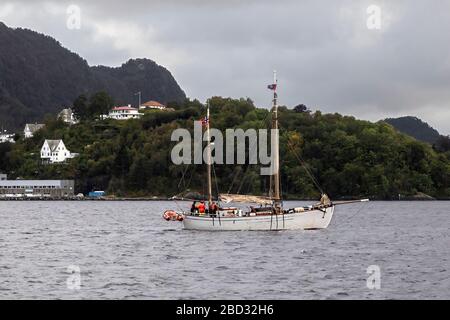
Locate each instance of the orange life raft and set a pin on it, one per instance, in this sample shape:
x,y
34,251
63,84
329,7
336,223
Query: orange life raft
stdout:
x,y
171,215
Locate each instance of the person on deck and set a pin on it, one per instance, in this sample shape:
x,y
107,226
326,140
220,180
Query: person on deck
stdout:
x,y
213,208
201,208
194,207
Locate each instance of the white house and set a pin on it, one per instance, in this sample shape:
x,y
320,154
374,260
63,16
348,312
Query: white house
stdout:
x,y
152,105
6,137
31,128
124,113
67,116
54,151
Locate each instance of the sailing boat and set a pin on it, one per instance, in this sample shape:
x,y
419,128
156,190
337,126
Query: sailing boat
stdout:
x,y
271,215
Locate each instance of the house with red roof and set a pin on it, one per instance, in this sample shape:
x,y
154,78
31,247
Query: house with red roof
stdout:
x,y
152,105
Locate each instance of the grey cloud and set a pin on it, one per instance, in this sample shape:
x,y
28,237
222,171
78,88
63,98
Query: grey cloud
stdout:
x,y
325,55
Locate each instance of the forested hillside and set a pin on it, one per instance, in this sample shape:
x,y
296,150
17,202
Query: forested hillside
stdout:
x,y
349,157
39,76
416,128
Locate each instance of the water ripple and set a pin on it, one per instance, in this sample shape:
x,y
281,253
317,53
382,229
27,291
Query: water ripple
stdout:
x,y
125,250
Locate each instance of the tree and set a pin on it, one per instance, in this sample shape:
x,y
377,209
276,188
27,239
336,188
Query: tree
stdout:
x,y
80,108
347,157
301,108
122,161
5,148
442,144
97,104
100,103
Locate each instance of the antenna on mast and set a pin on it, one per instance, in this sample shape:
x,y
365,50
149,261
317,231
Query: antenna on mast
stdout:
x,y
138,94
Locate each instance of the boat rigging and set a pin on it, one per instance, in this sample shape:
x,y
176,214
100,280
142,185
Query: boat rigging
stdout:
x,y
270,215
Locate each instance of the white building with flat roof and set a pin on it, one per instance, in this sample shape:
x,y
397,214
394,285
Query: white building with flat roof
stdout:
x,y
37,188
124,113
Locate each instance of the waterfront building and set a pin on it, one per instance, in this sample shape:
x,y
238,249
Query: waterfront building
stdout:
x,y
37,188
97,194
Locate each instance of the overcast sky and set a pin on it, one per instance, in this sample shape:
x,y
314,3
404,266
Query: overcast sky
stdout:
x,y
324,52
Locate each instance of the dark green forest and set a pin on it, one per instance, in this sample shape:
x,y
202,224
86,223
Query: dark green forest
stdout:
x,y
39,76
348,157
416,128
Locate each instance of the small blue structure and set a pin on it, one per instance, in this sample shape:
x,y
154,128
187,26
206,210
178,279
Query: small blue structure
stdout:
x,y
97,194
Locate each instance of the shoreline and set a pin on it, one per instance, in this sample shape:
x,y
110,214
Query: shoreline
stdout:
x,y
187,200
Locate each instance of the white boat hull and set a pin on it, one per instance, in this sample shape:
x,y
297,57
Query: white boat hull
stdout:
x,y
308,220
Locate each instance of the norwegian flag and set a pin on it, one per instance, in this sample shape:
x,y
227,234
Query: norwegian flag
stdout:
x,y
205,121
272,86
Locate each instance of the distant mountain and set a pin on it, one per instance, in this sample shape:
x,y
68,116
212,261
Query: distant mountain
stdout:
x,y
39,76
415,128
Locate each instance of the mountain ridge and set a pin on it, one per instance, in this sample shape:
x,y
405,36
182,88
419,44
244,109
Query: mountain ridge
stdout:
x,y
415,127
51,77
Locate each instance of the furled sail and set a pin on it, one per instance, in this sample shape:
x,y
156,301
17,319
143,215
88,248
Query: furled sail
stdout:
x,y
227,198
325,200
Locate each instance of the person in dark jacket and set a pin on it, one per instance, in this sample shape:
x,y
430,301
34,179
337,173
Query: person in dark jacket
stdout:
x,y
194,207
213,208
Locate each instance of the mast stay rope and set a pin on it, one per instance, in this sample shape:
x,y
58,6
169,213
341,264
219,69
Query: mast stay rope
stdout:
x,y
303,164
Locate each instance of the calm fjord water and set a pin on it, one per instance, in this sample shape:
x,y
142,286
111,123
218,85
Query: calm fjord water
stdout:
x,y
126,250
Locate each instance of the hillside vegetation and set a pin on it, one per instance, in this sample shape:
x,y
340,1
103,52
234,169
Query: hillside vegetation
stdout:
x,y
349,157
39,76
415,128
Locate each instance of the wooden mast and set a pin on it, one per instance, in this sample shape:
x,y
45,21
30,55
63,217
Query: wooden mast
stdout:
x,y
276,176
208,136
